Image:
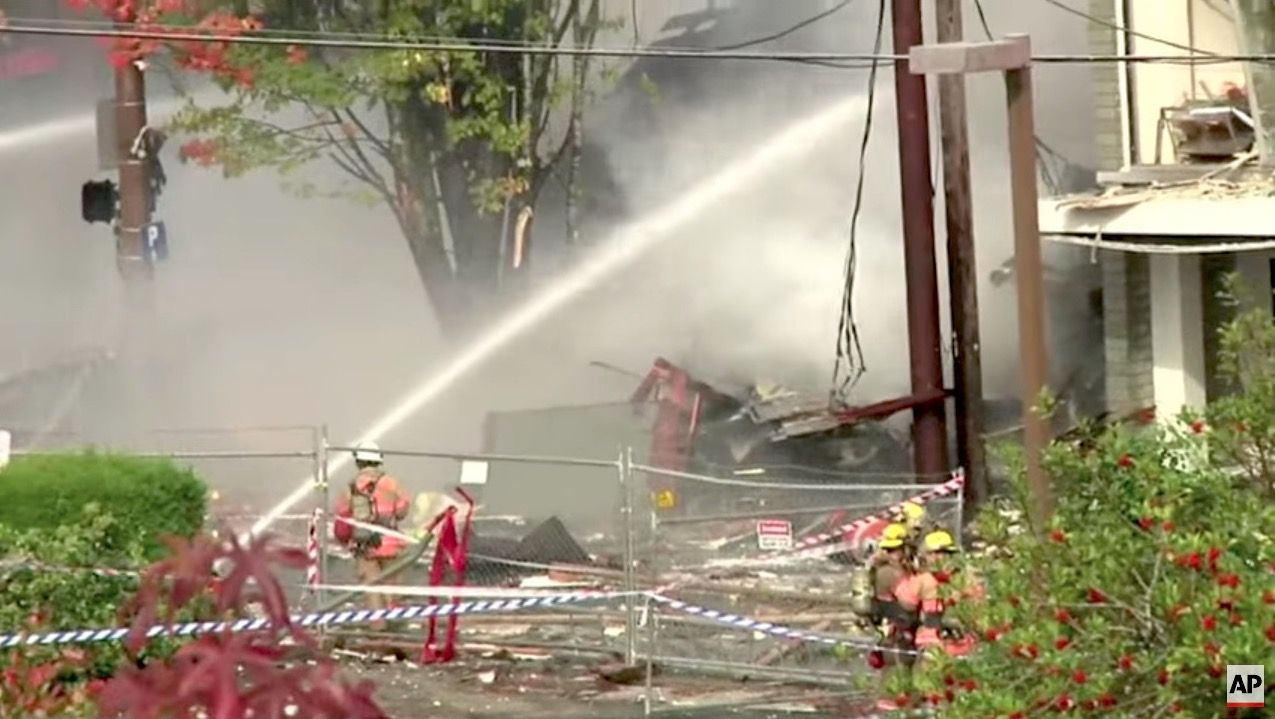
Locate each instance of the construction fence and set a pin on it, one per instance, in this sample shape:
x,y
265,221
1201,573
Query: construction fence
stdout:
x,y
740,575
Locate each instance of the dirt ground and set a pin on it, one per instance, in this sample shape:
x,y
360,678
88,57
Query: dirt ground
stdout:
x,y
562,688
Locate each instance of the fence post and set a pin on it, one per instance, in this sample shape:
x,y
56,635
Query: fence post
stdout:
x,y
630,598
960,517
652,615
321,479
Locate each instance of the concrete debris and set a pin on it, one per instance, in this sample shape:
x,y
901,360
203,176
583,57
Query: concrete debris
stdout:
x,y
487,677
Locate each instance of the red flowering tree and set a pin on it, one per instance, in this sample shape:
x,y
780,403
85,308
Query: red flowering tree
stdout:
x,y
1157,571
443,138
269,674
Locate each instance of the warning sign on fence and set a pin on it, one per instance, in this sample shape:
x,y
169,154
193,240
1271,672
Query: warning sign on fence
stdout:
x,y
666,499
774,534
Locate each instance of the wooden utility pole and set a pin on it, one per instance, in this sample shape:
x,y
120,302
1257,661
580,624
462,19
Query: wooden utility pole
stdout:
x,y
929,425
1012,56
962,274
135,200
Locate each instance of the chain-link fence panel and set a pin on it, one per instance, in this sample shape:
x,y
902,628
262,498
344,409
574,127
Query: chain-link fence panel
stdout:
x,y
786,556
536,523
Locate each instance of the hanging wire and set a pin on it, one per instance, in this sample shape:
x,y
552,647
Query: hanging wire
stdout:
x,y
849,365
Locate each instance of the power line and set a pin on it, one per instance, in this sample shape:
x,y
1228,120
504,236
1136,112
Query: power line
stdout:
x,y
784,33
849,349
831,59
1125,29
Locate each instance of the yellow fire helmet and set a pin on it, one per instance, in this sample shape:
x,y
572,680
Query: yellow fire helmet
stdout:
x,y
939,541
913,514
894,536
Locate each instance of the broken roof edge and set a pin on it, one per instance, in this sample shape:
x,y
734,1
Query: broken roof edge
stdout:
x,y
1160,215
1154,248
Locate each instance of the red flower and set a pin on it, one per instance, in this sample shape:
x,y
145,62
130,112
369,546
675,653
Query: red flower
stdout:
x,y
1061,643
1162,677
942,577
1198,426
1270,632
992,634
949,680
935,699
1168,525
1064,703
1079,676
1211,649
1190,561
1096,596
1017,715
1063,616
1208,623
949,695
1125,461
876,660
1268,597
1216,671
1226,603
1125,662
969,685
902,700
1106,701
296,55
1146,523
1058,536
1088,705
1214,554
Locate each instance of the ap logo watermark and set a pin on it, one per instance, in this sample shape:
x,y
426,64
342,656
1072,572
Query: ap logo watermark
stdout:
x,y
1245,685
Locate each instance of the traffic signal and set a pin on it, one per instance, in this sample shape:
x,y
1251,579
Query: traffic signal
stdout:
x,y
98,200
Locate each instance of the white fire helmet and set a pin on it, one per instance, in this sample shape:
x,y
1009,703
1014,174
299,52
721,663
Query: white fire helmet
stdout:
x,y
368,452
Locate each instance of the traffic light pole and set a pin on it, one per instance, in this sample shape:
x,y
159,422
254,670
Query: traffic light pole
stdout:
x,y
134,191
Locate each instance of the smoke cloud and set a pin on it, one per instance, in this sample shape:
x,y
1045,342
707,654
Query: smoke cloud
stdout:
x,y
278,311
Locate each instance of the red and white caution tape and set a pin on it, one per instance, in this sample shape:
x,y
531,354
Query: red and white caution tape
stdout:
x,y
814,547
312,570
949,487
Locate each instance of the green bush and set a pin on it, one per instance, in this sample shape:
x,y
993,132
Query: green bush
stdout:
x,y
152,497
1157,570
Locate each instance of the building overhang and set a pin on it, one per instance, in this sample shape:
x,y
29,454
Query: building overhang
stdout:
x,y
1193,220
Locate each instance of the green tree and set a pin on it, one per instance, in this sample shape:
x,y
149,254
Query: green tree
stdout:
x,y
456,139
1157,571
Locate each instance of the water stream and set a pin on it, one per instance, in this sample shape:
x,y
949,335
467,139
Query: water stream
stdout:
x,y
624,246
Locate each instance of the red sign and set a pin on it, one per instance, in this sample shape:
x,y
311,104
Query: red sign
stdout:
x,y
774,534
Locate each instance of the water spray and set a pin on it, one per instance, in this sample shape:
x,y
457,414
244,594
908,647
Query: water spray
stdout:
x,y
625,246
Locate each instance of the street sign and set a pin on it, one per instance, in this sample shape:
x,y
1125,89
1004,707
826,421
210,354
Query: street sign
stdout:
x,y
472,472
774,534
155,239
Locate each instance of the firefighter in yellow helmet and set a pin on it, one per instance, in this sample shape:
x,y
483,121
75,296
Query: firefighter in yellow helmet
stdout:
x,y
925,592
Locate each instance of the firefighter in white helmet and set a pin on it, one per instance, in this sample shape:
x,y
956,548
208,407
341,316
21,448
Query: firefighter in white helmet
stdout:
x,y
375,500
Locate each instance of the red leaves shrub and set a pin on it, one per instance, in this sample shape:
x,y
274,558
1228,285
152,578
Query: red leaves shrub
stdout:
x,y
1154,574
269,674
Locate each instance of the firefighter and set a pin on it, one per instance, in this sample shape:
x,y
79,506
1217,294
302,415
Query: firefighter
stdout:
x,y
939,630
375,499
891,571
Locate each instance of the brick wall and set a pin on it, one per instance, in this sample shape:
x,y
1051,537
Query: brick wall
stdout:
x,y
1106,87
1126,296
